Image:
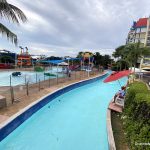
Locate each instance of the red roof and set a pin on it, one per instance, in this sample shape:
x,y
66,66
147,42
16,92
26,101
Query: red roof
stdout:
x,y
141,22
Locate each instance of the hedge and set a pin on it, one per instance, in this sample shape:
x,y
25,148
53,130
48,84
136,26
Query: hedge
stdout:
x,y
136,116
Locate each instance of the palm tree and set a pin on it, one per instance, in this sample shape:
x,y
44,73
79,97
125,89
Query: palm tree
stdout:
x,y
12,13
120,55
134,52
130,54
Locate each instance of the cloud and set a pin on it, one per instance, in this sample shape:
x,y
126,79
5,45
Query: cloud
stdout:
x,y
64,27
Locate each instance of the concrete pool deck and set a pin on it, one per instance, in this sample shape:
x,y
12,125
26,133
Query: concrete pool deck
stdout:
x,y
7,112
115,107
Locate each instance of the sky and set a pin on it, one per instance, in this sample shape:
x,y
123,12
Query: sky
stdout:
x,y
66,27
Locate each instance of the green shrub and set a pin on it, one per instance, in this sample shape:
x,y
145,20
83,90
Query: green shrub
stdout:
x,y
143,97
137,111
38,69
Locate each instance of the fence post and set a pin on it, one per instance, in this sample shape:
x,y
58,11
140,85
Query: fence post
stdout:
x,y
10,80
83,74
39,85
88,73
49,81
27,87
44,76
57,78
11,92
25,80
80,76
75,75
36,77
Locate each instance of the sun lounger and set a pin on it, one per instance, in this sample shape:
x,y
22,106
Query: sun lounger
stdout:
x,y
120,101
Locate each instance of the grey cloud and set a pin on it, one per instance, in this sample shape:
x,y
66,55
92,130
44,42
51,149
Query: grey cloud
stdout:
x,y
69,26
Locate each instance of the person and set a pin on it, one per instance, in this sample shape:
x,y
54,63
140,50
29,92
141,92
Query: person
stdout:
x,y
68,72
120,94
101,68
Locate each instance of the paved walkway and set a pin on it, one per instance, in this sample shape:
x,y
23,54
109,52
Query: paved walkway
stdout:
x,y
115,107
3,118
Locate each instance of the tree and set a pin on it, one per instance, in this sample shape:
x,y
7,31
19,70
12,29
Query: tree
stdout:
x,y
129,54
121,57
13,14
6,59
135,51
80,54
119,52
106,61
98,59
53,58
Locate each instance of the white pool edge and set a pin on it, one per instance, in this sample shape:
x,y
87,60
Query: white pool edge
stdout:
x,y
111,141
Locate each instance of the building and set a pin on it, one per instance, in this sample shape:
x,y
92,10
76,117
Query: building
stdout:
x,y
140,32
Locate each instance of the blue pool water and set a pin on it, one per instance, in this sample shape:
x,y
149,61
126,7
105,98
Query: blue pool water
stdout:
x,y
30,76
75,120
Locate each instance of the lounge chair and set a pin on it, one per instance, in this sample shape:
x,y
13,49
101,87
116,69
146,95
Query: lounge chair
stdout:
x,y
120,101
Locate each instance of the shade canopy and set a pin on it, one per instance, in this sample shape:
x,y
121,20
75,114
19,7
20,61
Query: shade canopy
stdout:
x,y
56,62
117,75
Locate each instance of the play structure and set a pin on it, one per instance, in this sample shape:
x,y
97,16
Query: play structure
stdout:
x,y
87,61
24,58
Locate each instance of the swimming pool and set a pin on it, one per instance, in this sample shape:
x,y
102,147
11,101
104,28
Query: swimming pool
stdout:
x,y
30,76
75,120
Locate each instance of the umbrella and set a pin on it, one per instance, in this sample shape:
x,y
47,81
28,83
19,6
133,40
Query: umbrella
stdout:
x,y
117,75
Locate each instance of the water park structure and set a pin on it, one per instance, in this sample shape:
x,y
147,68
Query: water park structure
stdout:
x,y
24,58
87,61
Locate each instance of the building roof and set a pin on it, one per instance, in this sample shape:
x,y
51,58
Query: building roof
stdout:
x,y
142,22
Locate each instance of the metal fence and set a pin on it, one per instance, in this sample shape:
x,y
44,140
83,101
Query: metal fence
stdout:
x,y
145,77
29,89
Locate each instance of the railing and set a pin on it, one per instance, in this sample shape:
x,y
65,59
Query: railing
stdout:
x,y
29,89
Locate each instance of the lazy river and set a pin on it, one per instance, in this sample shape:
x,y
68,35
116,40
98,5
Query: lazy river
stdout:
x,y
75,120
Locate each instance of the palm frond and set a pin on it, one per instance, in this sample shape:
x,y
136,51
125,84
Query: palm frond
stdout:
x,y
11,12
18,13
10,35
